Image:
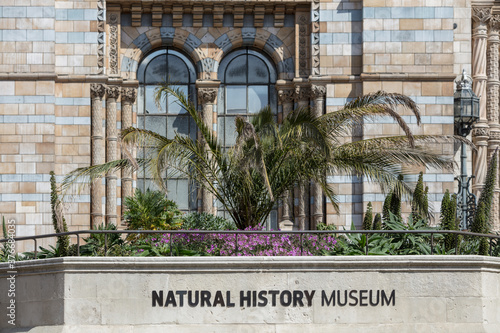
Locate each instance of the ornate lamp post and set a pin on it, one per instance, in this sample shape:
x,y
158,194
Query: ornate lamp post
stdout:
x,y
466,113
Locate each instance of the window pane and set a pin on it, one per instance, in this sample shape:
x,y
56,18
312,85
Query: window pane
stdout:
x,y
221,129
178,191
230,131
173,106
177,124
177,70
236,71
257,71
151,106
156,70
236,99
257,98
157,124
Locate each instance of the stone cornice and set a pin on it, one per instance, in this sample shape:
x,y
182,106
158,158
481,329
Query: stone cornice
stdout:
x,y
408,76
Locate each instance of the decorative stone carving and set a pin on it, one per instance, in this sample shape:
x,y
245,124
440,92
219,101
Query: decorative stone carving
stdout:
x,y
286,95
318,92
481,14
302,93
100,37
97,90
303,47
492,71
315,37
129,95
480,132
113,43
207,95
113,92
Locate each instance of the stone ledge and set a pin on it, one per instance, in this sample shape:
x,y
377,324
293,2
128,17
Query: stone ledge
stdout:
x,y
260,264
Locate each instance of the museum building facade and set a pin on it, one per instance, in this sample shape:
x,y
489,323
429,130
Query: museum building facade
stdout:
x,y
73,73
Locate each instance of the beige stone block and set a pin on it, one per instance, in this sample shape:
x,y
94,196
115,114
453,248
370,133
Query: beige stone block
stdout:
x,y
431,88
9,149
26,148
7,88
373,24
411,24
24,47
382,59
69,150
64,49
403,59
44,168
422,59
392,86
374,3
26,167
15,59
343,90
413,47
26,109
9,187
438,59
393,47
369,86
27,188
412,88
25,129
45,87
25,88
81,26
391,24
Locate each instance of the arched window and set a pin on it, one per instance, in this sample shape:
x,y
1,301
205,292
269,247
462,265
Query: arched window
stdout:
x,y
161,66
248,81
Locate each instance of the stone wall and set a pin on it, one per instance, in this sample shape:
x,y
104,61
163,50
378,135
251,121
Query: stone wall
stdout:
x,y
385,294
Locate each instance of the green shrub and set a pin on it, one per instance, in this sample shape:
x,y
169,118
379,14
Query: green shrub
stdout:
x,y
377,222
151,210
205,221
96,243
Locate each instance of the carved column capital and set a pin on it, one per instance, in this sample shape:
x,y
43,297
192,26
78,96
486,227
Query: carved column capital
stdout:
x,y
129,95
286,95
113,91
207,95
302,93
318,92
97,90
481,15
480,132
494,23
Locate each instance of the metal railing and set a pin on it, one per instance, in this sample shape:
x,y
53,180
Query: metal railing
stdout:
x,y
247,232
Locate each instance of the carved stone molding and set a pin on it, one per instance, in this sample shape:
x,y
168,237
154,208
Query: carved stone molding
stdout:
x,y
97,90
476,132
318,91
302,47
286,95
207,95
113,91
113,43
494,136
129,95
315,37
100,36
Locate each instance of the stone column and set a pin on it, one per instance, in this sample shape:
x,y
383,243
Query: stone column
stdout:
x,y
97,92
492,103
128,99
207,96
111,152
318,93
480,16
285,95
302,95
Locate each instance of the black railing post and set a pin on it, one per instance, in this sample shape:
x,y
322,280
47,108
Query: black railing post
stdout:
x,y
432,243
171,247
301,245
366,245
491,246
236,245
35,248
78,245
105,244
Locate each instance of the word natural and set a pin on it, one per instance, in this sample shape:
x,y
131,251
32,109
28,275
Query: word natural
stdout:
x,y
262,298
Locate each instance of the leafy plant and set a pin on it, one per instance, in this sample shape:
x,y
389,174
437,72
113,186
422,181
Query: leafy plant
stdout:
x,y
205,221
95,244
151,210
58,219
368,219
420,202
377,222
449,220
324,226
480,223
269,159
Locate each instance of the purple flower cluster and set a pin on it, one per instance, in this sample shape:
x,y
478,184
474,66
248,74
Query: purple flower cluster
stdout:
x,y
220,244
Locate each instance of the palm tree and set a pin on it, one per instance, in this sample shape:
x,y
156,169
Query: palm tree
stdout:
x,y
269,158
